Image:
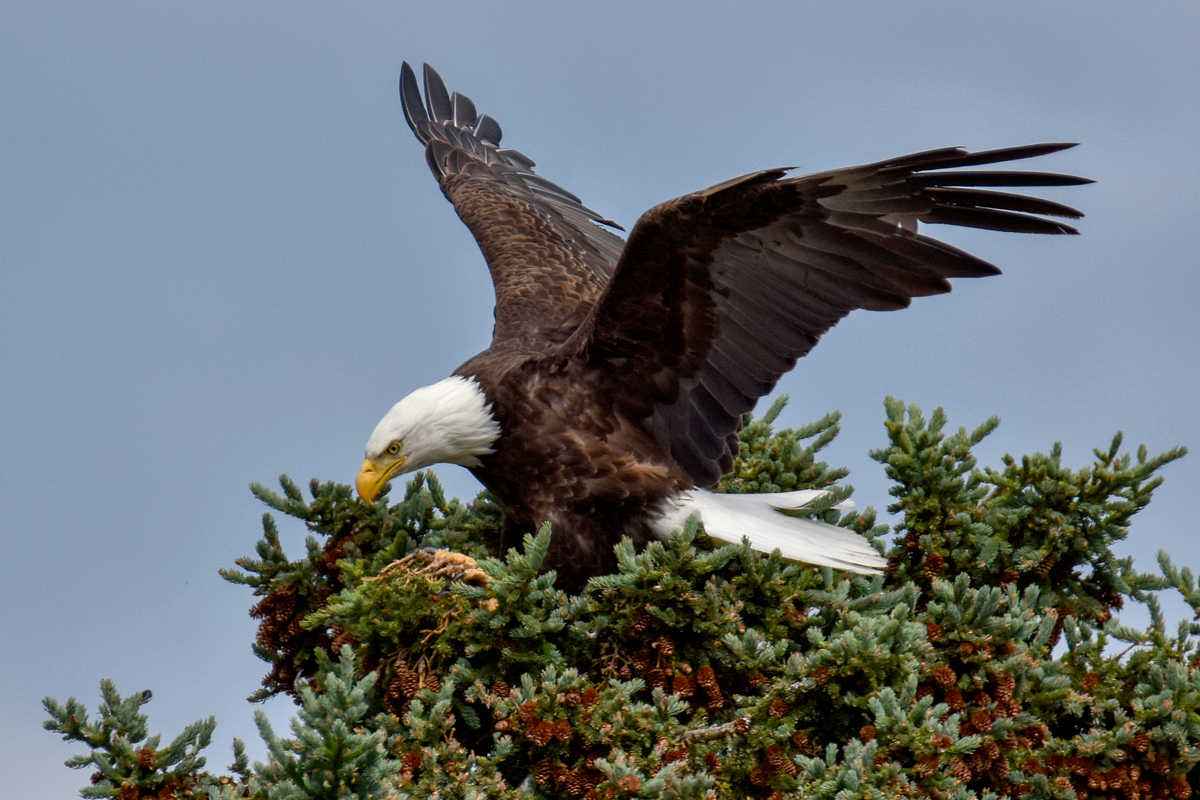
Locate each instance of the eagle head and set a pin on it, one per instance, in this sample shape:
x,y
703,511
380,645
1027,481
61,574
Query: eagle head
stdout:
x,y
449,422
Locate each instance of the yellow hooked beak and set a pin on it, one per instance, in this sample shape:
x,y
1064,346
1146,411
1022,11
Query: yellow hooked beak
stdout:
x,y
371,479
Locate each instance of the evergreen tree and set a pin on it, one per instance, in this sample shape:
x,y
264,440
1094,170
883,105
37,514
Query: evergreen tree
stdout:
x,y
987,662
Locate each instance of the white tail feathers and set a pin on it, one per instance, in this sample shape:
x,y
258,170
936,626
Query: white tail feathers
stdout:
x,y
730,518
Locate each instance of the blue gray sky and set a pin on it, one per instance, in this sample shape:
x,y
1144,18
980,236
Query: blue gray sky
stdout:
x,y
223,258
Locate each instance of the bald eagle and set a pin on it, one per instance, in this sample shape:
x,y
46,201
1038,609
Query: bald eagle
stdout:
x,y
610,399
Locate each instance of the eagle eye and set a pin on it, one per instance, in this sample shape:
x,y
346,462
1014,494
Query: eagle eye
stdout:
x,y
393,449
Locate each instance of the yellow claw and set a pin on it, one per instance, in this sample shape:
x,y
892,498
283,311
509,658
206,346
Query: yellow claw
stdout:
x,y
371,479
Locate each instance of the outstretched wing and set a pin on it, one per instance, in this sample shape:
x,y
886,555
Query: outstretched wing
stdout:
x,y
718,293
548,258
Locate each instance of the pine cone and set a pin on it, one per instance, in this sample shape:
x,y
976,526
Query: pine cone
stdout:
x,y
630,783
945,675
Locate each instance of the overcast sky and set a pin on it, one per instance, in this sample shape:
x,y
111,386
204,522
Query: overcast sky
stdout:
x,y
223,258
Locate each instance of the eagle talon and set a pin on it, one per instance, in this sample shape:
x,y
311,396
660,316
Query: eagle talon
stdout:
x,y
447,565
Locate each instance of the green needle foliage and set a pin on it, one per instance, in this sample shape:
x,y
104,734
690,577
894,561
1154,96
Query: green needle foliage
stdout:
x,y
127,762
988,662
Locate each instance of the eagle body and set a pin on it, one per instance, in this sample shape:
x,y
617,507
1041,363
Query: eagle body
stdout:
x,y
566,456
610,399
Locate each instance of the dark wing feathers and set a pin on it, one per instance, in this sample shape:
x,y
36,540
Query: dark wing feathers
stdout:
x,y
992,219
548,257
488,130
777,261
464,112
437,99
717,293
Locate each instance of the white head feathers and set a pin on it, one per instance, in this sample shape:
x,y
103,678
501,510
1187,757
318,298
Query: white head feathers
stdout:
x,y
449,422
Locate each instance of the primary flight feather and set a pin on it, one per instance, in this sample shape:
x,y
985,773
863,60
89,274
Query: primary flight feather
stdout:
x,y
611,396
